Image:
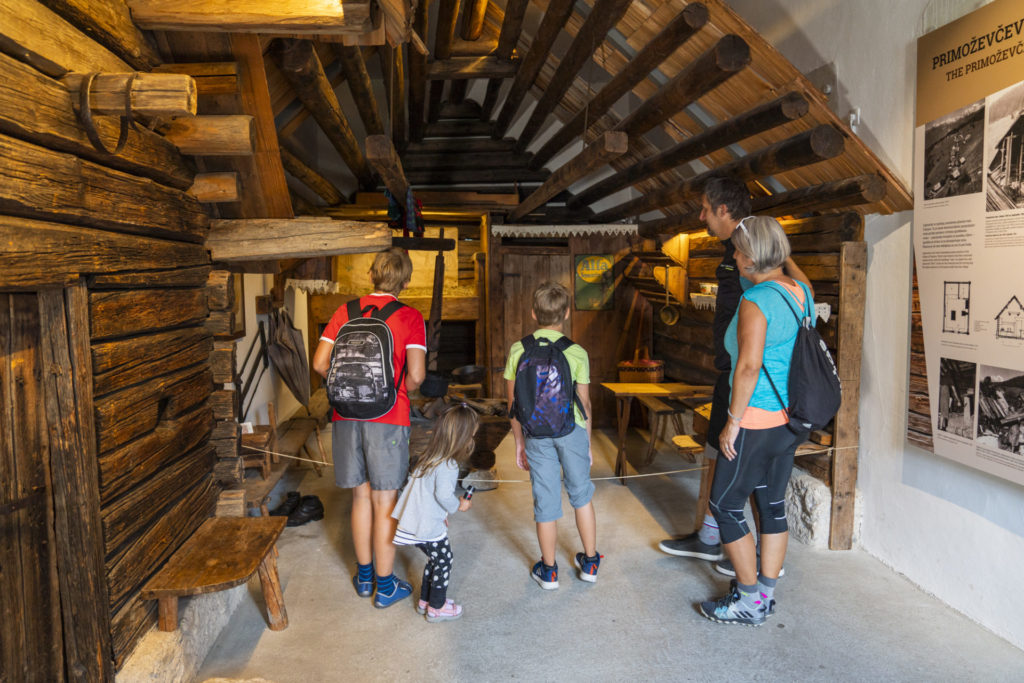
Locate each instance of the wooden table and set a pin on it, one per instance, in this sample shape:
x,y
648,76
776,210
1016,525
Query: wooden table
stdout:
x,y
625,392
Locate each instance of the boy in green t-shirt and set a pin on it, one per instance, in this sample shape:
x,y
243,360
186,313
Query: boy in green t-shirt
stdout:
x,y
548,459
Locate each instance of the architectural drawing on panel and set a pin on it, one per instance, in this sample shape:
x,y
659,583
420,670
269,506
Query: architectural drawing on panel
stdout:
x,y
956,307
1010,320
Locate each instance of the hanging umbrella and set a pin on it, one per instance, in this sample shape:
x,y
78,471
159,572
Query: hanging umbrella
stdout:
x,y
288,354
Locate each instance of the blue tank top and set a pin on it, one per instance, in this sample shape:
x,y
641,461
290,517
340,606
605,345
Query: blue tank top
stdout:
x,y
779,339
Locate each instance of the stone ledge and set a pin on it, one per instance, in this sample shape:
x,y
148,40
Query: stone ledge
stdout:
x,y
809,509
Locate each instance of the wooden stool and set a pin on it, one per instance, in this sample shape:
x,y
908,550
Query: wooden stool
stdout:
x,y
659,410
223,553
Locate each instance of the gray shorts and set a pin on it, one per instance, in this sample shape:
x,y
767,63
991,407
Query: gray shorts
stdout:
x,y
370,451
551,458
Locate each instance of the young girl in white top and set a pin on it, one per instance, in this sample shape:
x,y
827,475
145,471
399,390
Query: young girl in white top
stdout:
x,y
422,509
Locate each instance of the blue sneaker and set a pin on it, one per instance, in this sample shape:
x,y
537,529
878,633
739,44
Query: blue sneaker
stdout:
x,y
588,566
364,589
547,578
401,590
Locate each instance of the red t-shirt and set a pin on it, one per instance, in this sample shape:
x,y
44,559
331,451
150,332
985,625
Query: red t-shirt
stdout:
x,y
408,331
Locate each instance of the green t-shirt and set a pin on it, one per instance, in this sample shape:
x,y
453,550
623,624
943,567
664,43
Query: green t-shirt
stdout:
x,y
579,363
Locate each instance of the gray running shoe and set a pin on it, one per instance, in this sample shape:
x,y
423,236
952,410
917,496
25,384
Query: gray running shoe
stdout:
x,y
691,546
768,610
728,610
724,566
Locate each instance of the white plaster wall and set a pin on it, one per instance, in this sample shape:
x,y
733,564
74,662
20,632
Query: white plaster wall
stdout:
x,y
956,532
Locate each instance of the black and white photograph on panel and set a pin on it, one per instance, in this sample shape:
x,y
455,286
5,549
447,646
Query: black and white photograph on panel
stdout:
x,y
956,397
956,307
1010,320
1001,409
1004,137
953,152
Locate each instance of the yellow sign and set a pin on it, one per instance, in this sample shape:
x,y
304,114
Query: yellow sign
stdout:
x,y
592,268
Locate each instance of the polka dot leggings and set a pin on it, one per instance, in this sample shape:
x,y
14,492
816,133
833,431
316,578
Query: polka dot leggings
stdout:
x,y
437,573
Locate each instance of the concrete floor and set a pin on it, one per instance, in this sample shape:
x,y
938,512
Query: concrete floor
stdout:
x,y
841,615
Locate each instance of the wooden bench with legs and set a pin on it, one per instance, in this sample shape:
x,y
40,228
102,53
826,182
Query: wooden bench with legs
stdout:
x,y
659,409
223,553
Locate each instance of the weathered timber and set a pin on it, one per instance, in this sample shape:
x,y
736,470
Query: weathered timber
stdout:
x,y
467,109
36,182
224,403
254,239
39,253
110,24
227,448
723,60
789,107
361,88
476,176
287,129
511,27
693,17
230,135
809,147
473,19
225,429
212,188
68,401
211,78
153,95
118,313
847,430
323,306
129,568
223,361
35,35
229,472
382,156
138,508
458,129
183,348
223,325
555,16
298,17
440,146
602,17
483,160
175,277
39,109
301,207
607,147
220,290
393,70
447,13
816,266
130,353
301,65
136,410
462,68
418,75
310,178
813,234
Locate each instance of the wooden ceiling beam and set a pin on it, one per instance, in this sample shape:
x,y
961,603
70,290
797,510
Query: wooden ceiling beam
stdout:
x,y
809,147
604,15
273,239
212,78
393,68
418,76
110,24
557,14
839,194
508,38
153,94
473,19
724,59
293,17
463,68
382,156
288,128
301,65
785,109
308,177
693,17
447,14
607,147
359,84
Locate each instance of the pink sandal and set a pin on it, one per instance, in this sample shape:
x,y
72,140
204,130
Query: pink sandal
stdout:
x,y
421,606
449,612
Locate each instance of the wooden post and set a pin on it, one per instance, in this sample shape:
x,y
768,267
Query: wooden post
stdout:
x,y
602,18
216,187
393,62
852,286
153,94
418,76
511,27
609,146
362,89
789,107
310,178
557,14
212,135
686,23
473,19
447,13
277,616
381,154
167,611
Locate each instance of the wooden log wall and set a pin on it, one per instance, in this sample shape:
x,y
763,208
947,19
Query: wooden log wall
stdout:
x,y
124,238
919,412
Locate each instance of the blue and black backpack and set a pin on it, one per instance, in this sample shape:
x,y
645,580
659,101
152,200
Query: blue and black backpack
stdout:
x,y
545,391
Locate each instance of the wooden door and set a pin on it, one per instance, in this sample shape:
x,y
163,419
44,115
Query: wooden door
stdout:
x,y
523,269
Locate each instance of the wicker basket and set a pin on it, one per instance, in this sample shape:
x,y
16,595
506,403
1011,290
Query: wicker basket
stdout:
x,y
641,369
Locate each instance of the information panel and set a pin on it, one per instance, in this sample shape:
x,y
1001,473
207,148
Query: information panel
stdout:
x,y
969,235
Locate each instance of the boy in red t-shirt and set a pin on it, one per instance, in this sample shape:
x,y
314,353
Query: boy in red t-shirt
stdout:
x,y
372,457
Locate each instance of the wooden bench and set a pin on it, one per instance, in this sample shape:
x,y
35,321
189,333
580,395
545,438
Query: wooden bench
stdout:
x,y
259,448
660,409
223,553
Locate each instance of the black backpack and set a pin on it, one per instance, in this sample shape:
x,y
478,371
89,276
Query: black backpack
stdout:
x,y
545,392
814,389
361,382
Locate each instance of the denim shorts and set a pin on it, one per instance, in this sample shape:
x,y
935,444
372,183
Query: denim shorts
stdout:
x,y
551,458
370,451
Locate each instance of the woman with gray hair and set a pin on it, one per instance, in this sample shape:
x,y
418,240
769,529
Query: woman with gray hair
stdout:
x,y
756,446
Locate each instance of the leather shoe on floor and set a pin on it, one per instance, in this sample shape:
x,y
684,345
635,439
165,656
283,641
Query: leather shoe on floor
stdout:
x,y
310,509
287,506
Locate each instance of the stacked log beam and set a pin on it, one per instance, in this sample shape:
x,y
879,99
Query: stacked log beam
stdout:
x,y
225,438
